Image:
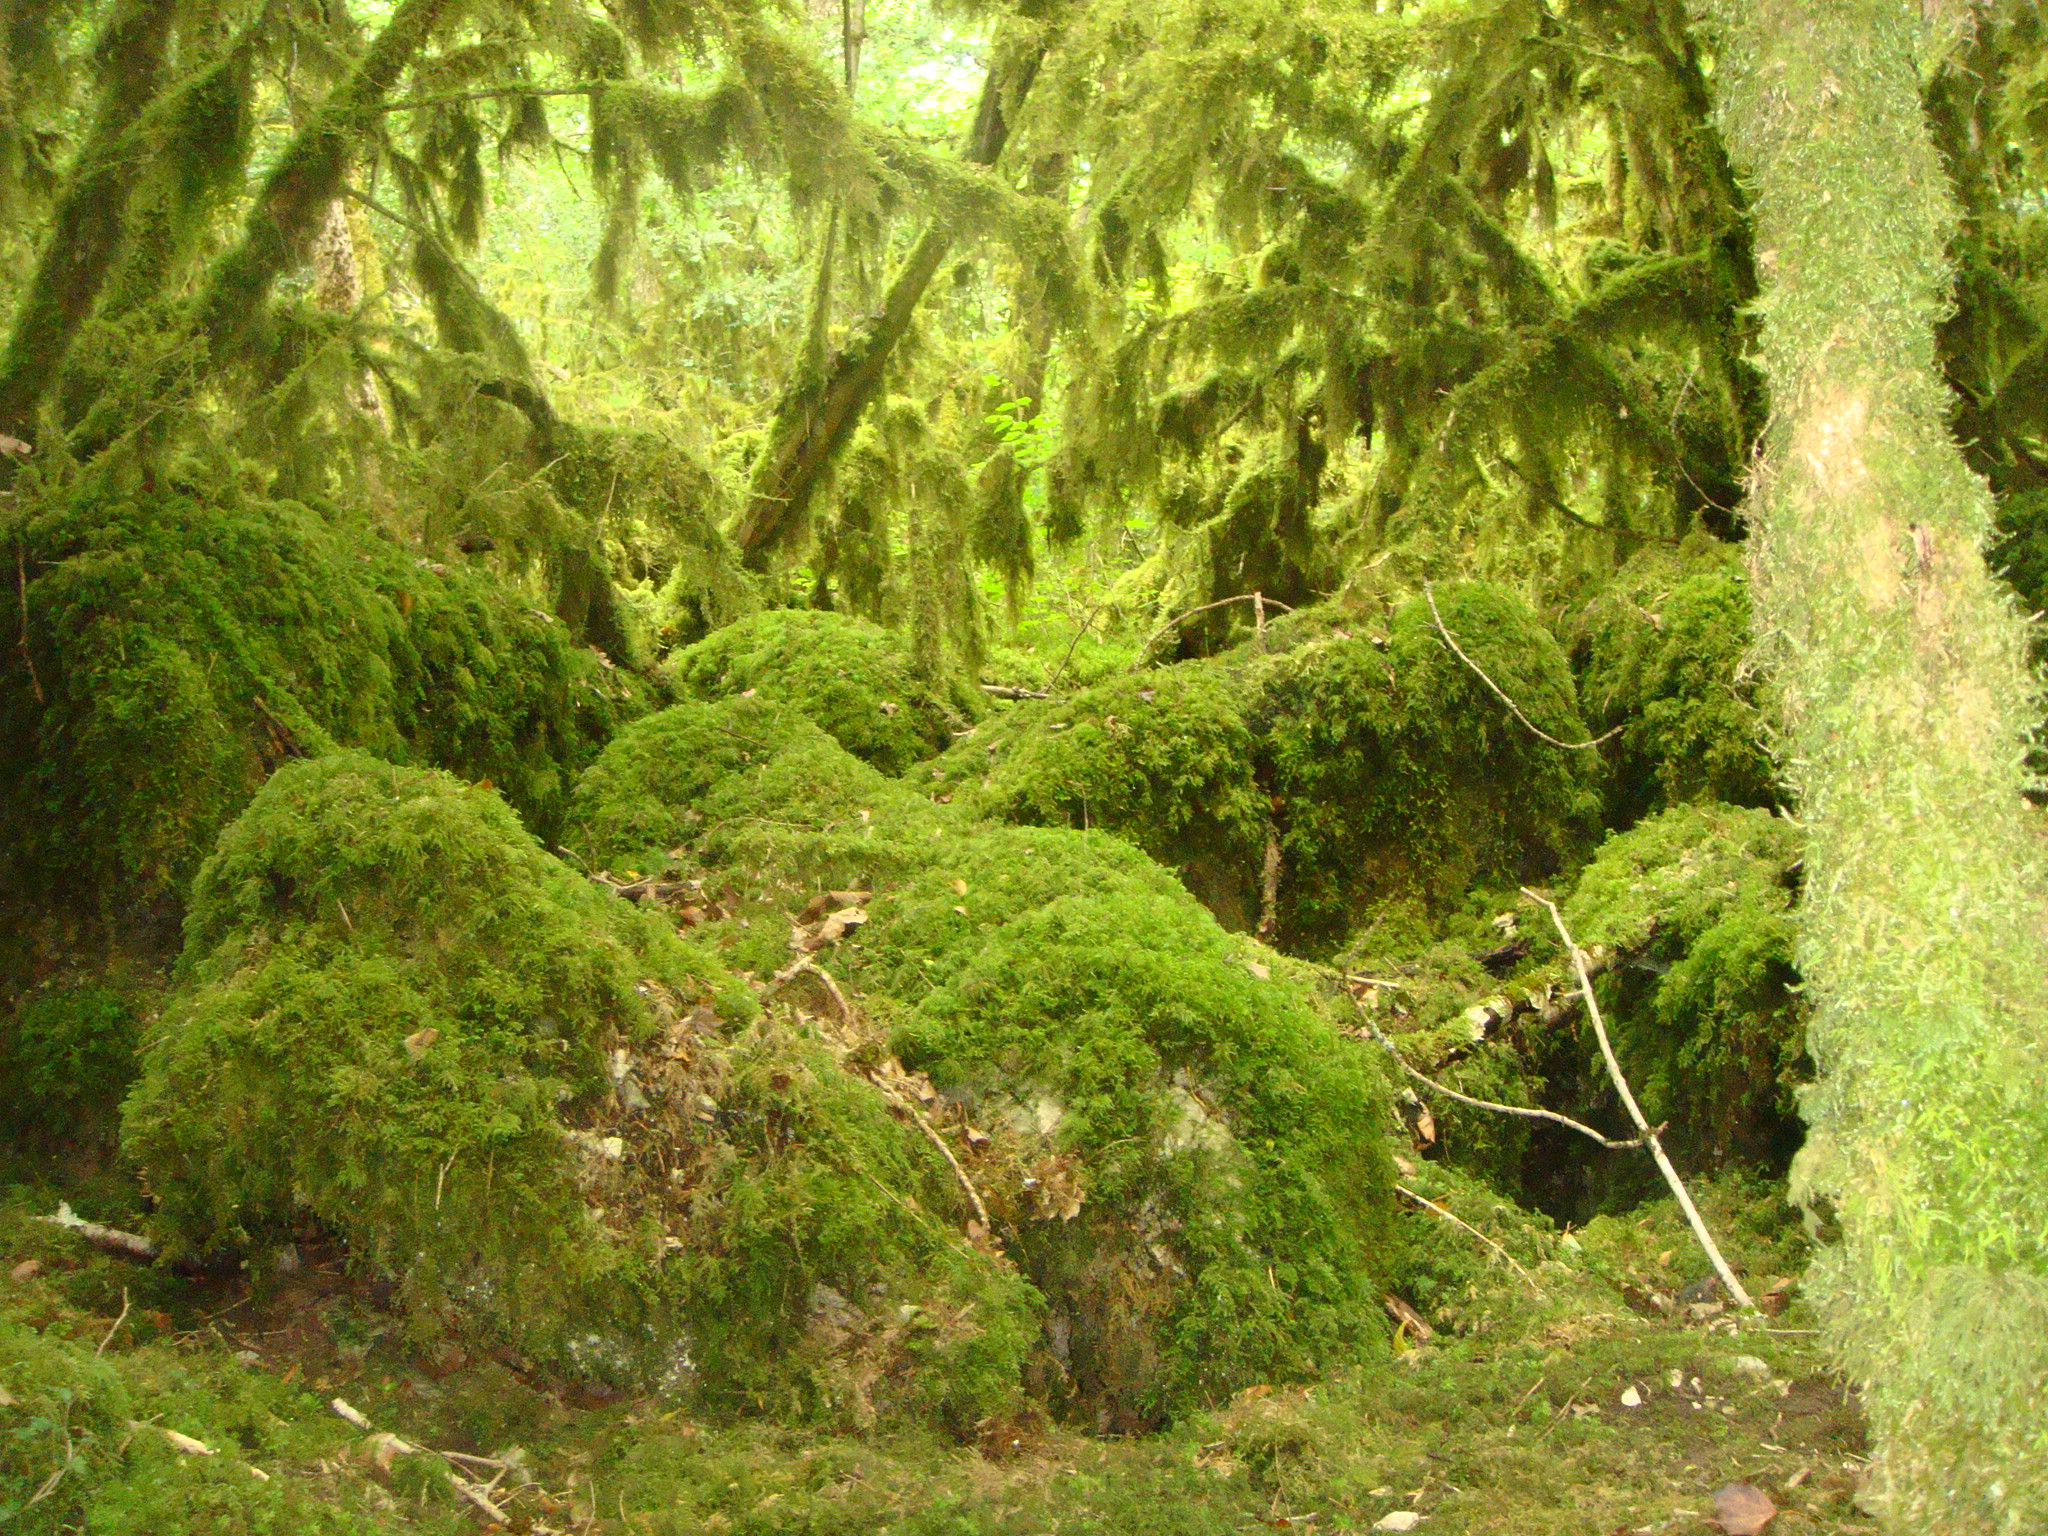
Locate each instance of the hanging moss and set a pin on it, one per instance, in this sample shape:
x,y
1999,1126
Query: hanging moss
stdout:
x,y
1663,649
550,1120
1706,1015
848,675
178,648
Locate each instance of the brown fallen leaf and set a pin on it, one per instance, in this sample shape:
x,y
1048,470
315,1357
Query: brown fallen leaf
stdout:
x,y
1742,1509
27,1269
417,1043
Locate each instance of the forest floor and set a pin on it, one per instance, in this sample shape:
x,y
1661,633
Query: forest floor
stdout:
x,y
1522,1421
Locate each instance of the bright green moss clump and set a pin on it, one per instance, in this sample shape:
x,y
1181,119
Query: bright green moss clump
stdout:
x,y
550,1119
182,647
1398,772
1706,1018
851,677
67,1054
1664,647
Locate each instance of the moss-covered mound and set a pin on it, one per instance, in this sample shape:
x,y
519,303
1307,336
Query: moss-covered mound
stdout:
x,y
1662,657
67,1054
1374,766
851,677
1706,1015
1396,771
1228,1151
1165,759
550,1119
178,649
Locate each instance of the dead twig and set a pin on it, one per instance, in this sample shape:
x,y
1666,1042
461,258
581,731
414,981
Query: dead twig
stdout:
x,y
1428,1204
1635,1113
117,1325
133,1244
1503,1109
1005,691
1513,708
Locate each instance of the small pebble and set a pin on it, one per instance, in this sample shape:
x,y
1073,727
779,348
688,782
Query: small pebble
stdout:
x,y
27,1269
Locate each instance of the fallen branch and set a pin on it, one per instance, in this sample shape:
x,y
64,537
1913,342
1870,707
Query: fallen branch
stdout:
x,y
469,1492
1005,691
1513,708
117,1325
1635,1113
1505,1109
133,1244
1428,1204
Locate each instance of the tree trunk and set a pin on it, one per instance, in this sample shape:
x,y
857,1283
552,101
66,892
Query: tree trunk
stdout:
x,y
85,234
1907,708
818,414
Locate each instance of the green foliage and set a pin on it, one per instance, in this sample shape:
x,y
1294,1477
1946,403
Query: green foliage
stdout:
x,y
1705,1013
67,1054
1664,648
178,647
848,675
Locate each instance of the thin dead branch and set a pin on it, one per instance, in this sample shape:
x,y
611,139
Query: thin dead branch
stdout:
x,y
132,1244
1261,601
1635,1113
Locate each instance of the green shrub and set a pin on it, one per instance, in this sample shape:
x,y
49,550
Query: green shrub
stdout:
x,y
851,677
181,647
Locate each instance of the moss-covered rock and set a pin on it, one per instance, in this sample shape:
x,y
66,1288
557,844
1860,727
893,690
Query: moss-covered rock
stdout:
x,y
1164,759
851,677
179,648
1706,1016
1662,653
550,1119
1397,771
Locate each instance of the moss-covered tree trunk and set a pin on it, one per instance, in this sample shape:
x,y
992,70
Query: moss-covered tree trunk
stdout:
x,y
1907,708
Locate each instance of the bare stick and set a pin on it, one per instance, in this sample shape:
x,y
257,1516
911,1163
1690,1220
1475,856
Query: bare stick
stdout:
x,y
133,1244
117,1325
1635,1113
1505,1109
1513,708
973,1194
1428,1204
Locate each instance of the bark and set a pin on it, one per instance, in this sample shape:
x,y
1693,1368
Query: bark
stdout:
x,y
86,231
1907,706
817,416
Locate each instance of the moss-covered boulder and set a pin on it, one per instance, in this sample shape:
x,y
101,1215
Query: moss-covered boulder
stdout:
x,y
852,678
1706,1015
178,648
552,1121
1397,772
1164,759
1661,653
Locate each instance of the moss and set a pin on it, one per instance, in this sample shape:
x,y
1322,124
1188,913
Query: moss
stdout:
x,y
182,647
67,1054
1227,1148
1706,1015
1397,772
550,1120
849,676
1664,650
1163,759
753,790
